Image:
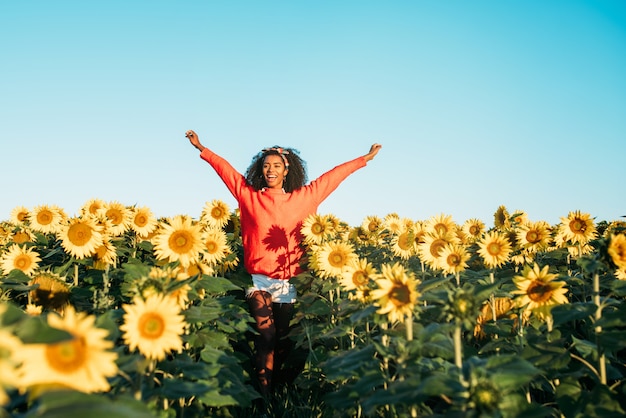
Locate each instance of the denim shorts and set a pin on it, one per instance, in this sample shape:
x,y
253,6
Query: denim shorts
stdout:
x,y
281,290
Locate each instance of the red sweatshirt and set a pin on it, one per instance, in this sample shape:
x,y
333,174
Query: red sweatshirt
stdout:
x,y
271,219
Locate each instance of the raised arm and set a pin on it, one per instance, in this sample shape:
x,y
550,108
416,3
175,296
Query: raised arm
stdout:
x,y
195,141
373,151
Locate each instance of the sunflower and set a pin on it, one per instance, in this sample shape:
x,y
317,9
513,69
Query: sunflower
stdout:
x,y
577,228
372,225
52,291
501,218
358,275
33,310
316,229
180,240
538,290
392,222
81,236
105,255
620,274
153,326
22,235
519,217
20,258
119,217
430,250
92,207
45,219
143,221
617,250
396,293
215,214
502,307
453,258
5,233
473,229
534,236
164,281
441,225
403,244
214,246
332,258
494,248
20,215
10,346
82,363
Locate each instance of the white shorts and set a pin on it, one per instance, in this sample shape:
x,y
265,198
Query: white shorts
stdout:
x,y
281,290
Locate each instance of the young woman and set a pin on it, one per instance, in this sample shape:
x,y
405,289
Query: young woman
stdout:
x,y
274,200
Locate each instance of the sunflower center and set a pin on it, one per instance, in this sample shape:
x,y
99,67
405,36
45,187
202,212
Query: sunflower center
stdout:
x,y
532,237
44,217
317,228
578,226
474,230
115,216
217,212
67,356
400,295
22,262
79,234
21,237
436,247
486,397
360,278
441,228
372,226
151,325
539,291
494,248
337,259
404,241
180,242
22,216
453,260
93,208
211,247
141,220
462,306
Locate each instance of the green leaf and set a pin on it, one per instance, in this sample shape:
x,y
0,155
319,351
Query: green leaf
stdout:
x,y
35,330
179,388
11,315
571,312
70,404
217,285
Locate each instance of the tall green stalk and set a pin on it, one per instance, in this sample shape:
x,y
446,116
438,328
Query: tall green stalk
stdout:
x,y
598,329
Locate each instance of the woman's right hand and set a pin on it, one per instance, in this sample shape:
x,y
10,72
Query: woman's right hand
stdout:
x,y
193,138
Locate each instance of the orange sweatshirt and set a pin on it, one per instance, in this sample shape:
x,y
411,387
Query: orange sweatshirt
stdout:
x,y
271,219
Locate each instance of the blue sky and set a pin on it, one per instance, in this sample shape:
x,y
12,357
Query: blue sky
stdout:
x,y
477,103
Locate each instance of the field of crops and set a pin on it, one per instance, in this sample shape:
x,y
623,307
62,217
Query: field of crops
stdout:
x,y
113,312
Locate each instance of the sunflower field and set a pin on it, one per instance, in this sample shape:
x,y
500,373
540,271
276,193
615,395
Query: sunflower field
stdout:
x,y
114,312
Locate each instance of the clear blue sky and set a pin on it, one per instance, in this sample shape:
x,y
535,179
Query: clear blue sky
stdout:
x,y
477,103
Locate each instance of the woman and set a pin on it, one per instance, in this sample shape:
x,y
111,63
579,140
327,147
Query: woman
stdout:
x,y
273,200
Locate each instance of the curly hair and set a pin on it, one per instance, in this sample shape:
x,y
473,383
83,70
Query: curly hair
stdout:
x,y
296,178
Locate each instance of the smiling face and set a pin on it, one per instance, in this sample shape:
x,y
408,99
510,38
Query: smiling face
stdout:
x,y
274,171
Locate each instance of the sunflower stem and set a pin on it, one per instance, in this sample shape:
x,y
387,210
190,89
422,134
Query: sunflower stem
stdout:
x,y
598,329
75,274
458,350
492,301
409,326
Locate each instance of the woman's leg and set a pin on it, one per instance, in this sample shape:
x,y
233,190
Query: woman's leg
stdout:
x,y
261,308
283,313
